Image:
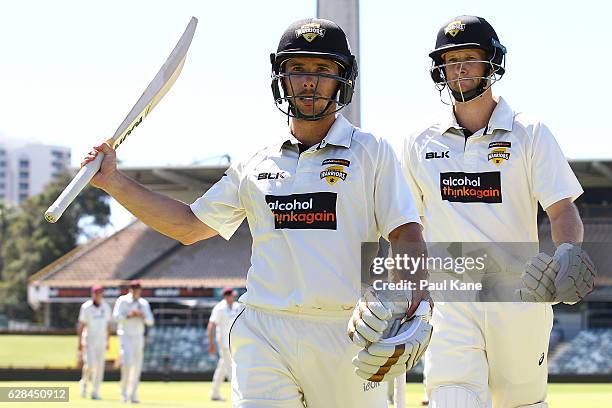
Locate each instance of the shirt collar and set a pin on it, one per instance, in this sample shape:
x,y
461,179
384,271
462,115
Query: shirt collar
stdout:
x,y
502,118
340,134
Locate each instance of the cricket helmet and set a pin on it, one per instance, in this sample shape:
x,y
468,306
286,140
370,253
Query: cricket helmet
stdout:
x,y
319,38
468,32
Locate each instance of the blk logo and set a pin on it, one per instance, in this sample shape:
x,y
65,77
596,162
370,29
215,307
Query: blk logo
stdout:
x,y
436,155
271,176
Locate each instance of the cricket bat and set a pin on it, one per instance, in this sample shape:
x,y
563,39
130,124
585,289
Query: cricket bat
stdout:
x,y
156,90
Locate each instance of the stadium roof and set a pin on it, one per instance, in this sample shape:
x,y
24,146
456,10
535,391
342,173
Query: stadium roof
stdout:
x,y
167,268
593,173
185,183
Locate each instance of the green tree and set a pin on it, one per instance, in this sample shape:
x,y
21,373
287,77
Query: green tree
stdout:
x,y
29,243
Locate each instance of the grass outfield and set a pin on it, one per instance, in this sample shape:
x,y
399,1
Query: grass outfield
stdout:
x,y
192,395
44,351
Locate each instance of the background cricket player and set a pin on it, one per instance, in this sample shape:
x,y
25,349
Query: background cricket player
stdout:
x,y
492,354
132,313
310,201
221,319
93,332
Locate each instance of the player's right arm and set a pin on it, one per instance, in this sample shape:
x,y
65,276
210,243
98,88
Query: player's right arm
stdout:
x,y
212,327
162,213
211,336
81,325
80,328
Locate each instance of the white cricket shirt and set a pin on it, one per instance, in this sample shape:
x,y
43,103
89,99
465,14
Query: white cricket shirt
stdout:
x,y
308,214
96,319
486,188
133,325
223,316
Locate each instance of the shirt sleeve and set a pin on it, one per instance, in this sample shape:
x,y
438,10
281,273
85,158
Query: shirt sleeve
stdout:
x,y
82,317
220,207
215,314
407,162
149,320
119,314
552,177
393,202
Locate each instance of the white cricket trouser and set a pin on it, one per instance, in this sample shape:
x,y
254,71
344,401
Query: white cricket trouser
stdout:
x,y
132,352
290,360
497,350
93,363
223,371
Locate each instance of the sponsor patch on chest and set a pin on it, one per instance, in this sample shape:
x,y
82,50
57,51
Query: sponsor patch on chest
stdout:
x,y
462,187
304,211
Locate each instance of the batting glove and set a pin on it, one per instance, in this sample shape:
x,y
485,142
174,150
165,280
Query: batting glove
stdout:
x,y
370,318
566,277
400,348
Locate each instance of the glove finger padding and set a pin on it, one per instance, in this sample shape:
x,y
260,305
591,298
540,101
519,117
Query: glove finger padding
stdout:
x,y
577,274
369,319
399,352
539,279
378,373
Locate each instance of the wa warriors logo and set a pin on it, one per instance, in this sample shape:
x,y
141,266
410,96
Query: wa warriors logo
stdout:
x,y
310,31
332,174
499,152
454,27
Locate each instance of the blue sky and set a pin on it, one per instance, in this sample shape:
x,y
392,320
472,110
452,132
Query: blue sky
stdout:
x,y
71,70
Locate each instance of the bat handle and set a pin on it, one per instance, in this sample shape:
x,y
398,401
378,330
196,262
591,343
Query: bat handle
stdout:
x,y
78,183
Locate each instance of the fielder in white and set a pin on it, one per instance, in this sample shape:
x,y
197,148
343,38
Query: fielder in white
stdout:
x,y
478,176
93,332
221,319
310,200
132,313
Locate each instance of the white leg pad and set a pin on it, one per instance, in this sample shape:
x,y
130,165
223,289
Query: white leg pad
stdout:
x,y
454,396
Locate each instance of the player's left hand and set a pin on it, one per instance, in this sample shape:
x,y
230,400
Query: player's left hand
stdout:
x,y
566,277
369,319
400,348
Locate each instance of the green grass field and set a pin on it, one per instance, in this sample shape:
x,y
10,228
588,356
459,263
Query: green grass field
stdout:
x,y
44,351
60,352
192,395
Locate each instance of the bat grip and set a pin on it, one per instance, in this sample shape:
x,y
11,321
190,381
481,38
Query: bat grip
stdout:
x,y
78,183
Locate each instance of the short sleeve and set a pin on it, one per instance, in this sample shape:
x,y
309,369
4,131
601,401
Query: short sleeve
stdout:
x,y
551,175
220,207
215,314
82,317
393,202
407,163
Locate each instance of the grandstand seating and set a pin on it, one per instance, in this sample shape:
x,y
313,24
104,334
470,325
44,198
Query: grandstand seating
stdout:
x,y
588,353
178,349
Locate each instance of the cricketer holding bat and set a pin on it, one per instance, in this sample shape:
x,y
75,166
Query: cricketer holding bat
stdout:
x,y
93,332
491,353
310,200
132,313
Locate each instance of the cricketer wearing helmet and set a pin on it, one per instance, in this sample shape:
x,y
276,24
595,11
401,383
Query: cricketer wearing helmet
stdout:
x,y
478,176
310,200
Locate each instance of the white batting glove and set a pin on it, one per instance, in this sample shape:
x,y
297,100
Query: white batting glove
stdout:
x,y
400,348
566,277
369,319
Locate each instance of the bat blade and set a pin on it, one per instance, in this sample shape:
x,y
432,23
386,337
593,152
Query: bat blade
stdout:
x,y
159,86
